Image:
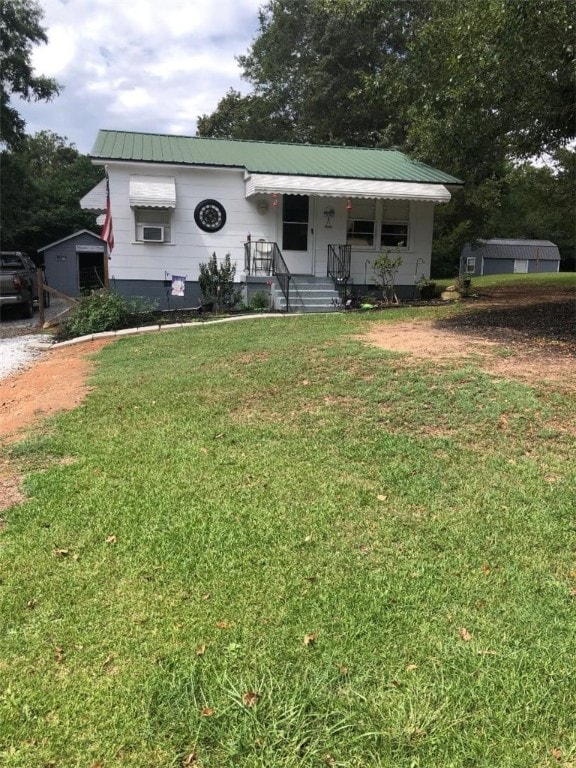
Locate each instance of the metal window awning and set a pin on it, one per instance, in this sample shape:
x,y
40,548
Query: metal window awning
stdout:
x,y
260,183
152,192
95,200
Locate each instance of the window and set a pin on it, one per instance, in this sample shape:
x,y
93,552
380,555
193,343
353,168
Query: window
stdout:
x,y
153,225
361,223
295,223
470,265
395,224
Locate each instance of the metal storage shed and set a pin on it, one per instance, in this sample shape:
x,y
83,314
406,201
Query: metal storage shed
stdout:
x,y
495,257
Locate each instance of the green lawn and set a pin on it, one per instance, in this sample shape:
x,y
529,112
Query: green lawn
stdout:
x,y
533,281
267,544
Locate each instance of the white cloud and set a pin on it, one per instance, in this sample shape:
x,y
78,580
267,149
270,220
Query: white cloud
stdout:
x,y
145,65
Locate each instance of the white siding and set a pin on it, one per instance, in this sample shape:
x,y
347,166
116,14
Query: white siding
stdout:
x,y
190,245
415,258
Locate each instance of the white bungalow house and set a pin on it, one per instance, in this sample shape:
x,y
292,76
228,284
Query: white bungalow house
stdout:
x,y
303,221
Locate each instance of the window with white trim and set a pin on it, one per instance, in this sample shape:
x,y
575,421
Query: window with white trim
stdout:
x,y
361,224
153,225
470,265
395,229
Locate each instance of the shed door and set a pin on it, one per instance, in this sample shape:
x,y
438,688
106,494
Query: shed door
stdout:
x,y
90,271
520,266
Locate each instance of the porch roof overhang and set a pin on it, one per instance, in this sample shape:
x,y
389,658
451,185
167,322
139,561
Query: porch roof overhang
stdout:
x,y
320,186
152,192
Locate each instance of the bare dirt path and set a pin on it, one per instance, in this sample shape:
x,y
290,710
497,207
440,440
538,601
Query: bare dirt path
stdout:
x,y
55,383
513,335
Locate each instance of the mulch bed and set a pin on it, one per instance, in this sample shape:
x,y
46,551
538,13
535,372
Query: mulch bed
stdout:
x,y
548,322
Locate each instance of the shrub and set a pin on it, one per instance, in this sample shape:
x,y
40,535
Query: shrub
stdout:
x,y
385,267
260,300
105,310
217,283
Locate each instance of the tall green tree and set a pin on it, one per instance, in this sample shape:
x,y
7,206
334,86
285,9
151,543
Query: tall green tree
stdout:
x,y
311,67
41,184
20,31
249,118
490,81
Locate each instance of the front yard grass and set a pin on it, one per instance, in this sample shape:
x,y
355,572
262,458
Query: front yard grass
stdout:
x,y
268,544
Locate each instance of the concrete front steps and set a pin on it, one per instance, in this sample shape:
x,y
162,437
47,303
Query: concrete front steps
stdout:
x,y
307,294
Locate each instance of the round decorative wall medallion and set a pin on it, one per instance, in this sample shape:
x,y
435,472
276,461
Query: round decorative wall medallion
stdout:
x,y
210,215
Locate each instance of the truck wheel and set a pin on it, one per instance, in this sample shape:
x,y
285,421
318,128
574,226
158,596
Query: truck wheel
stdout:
x,y
28,308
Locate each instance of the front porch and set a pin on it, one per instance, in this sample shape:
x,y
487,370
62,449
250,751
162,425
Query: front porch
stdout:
x,y
265,268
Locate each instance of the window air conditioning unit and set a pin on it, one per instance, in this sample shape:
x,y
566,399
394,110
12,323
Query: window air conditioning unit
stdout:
x,y
153,234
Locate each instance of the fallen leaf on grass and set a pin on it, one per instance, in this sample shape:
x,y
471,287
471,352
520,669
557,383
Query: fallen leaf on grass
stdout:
x,y
60,552
59,654
464,634
556,754
381,497
31,603
111,539
222,624
486,569
207,712
250,698
411,667
206,596
329,760
343,670
310,639
201,650
190,759
486,652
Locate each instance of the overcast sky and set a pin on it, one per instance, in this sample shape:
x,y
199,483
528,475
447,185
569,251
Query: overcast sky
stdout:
x,y
138,65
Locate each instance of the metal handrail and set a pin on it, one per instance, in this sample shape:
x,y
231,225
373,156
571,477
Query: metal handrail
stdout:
x,y
282,273
264,257
338,267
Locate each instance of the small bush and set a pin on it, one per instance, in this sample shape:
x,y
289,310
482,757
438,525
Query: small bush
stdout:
x,y
260,300
217,283
105,310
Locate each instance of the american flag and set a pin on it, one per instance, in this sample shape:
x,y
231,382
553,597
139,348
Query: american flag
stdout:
x,y
107,230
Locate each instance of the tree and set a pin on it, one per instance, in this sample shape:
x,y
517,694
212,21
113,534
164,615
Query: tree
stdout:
x,y
313,68
20,30
41,184
251,118
490,81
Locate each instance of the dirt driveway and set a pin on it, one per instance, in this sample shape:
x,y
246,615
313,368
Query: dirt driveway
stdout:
x,y
510,334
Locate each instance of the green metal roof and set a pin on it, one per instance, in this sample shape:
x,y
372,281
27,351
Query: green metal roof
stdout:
x,y
267,157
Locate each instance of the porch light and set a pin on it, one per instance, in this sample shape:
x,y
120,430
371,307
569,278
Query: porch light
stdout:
x,y
348,204
274,200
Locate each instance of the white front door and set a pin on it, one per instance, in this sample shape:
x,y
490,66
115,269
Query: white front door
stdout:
x,y
297,233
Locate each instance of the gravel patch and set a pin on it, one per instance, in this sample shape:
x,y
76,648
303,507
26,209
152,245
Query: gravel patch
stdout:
x,y
18,353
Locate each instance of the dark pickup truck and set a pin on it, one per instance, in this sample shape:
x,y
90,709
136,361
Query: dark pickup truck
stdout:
x,y
18,282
